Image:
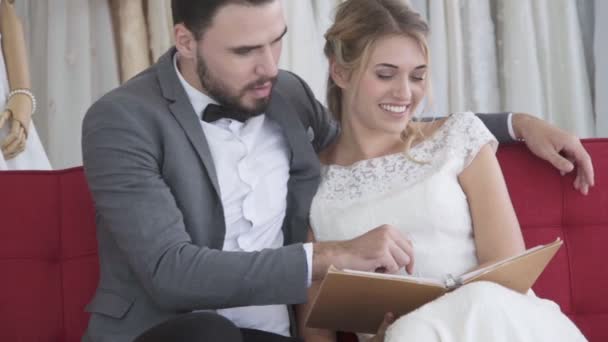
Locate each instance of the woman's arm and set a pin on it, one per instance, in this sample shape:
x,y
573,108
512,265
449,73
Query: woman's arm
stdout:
x,y
310,334
495,226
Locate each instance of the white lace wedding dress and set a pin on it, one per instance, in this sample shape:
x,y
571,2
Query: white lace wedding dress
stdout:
x,y
426,203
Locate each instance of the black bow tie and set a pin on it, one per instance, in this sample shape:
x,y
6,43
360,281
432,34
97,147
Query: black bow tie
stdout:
x,y
215,112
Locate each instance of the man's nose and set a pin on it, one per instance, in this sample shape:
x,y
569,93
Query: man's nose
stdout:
x,y
267,65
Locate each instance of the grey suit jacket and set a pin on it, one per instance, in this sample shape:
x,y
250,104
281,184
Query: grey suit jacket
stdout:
x,y
160,221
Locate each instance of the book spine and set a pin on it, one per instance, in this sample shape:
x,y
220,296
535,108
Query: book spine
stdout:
x,y
452,283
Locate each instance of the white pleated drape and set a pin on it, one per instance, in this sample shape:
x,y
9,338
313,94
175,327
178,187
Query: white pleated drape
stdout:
x,y
464,69
601,67
307,23
515,55
544,68
487,55
160,27
73,62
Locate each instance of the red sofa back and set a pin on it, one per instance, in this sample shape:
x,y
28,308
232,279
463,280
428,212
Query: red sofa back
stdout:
x,y
48,255
548,206
48,251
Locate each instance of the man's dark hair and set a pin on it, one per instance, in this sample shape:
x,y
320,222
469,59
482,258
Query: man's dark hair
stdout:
x,y
197,15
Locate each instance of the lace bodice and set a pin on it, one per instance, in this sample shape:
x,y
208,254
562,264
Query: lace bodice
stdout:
x,y
423,200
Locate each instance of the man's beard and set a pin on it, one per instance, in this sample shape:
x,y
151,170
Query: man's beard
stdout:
x,y
220,92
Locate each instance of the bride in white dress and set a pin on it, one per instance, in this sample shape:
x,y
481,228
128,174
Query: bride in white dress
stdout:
x,y
438,183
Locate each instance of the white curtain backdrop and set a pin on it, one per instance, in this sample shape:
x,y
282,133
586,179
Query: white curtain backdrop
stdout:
x,y
487,56
548,75
545,57
160,27
73,62
307,22
601,67
463,64
517,55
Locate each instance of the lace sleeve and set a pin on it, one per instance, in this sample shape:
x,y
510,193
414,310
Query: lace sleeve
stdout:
x,y
472,135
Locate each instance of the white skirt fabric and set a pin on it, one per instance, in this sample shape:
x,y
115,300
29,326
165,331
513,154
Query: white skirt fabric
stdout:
x,y
484,311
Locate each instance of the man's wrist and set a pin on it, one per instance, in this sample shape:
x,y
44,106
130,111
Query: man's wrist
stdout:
x,y
518,124
309,250
510,127
324,255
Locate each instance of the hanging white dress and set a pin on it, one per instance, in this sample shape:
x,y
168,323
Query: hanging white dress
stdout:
x,y
33,157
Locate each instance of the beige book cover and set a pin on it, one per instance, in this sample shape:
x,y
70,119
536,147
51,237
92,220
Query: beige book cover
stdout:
x,y
356,301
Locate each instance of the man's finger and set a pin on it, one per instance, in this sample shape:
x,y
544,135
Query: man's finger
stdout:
x,y
389,264
402,242
406,246
401,258
585,165
409,268
581,184
559,162
576,151
584,189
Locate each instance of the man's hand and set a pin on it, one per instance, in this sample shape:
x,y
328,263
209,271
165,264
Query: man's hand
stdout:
x,y
549,143
382,249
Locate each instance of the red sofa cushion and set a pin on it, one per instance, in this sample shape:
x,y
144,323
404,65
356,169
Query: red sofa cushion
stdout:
x,y
48,251
548,206
48,255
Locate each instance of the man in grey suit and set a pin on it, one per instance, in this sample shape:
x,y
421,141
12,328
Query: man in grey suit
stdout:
x,y
202,169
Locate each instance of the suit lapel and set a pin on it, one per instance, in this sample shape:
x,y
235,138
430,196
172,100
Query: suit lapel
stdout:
x,y
303,165
303,168
182,110
286,116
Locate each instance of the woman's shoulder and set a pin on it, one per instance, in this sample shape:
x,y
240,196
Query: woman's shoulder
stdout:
x,y
460,124
467,126
428,126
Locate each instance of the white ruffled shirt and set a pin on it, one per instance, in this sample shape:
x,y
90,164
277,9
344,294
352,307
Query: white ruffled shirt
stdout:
x,y
252,163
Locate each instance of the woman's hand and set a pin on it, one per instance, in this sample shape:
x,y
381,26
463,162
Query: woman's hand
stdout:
x,y
389,318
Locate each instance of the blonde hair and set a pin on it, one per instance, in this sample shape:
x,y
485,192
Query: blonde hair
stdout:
x,y
357,26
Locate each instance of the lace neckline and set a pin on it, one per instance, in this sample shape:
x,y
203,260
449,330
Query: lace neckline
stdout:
x,y
439,132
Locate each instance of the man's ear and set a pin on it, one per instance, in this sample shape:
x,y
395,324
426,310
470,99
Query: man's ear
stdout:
x,y
339,74
185,42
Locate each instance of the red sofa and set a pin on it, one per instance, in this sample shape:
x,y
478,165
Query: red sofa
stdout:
x,y
48,251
